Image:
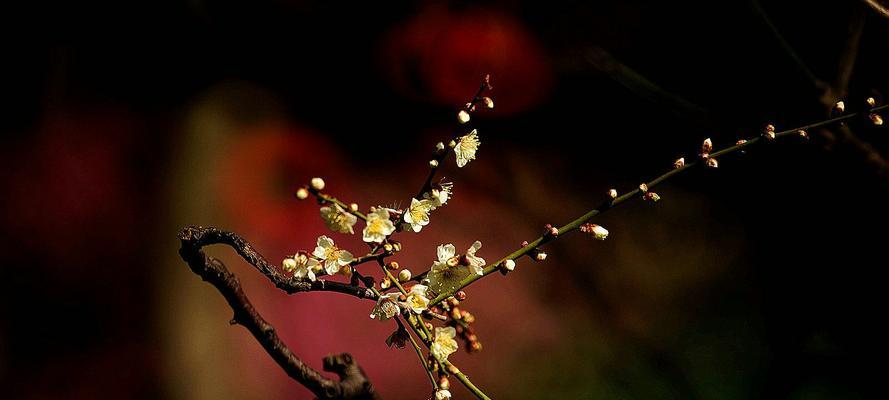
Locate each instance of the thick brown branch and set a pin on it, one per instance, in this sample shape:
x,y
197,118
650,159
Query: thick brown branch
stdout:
x,y
353,383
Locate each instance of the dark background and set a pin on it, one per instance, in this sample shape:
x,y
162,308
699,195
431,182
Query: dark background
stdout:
x,y
123,122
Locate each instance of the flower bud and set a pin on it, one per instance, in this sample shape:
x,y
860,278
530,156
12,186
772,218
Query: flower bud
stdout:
x,y
443,383
488,102
463,116
712,163
803,134
679,163
612,193
393,265
302,193
643,187
289,265
404,275
598,231
840,106
652,196
876,119
509,265
871,101
707,146
540,256
353,207
433,163
452,144
317,183
385,283
740,142
460,295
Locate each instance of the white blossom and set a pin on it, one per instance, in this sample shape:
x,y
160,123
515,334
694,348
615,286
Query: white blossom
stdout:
x,y
417,215
334,258
337,219
416,299
466,148
387,307
444,344
378,226
301,266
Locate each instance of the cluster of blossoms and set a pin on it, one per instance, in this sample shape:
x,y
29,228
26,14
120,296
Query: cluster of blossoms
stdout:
x,y
327,258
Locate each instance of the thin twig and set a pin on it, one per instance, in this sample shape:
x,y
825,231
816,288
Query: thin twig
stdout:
x,y
611,203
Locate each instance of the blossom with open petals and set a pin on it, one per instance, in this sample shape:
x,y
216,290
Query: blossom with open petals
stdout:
x,y
334,258
466,148
444,344
447,272
416,299
475,263
301,266
417,215
439,195
442,394
387,307
337,219
378,226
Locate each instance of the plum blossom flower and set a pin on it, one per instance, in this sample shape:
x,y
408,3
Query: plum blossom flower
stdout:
x,y
444,344
447,272
334,258
417,300
466,147
439,195
475,263
387,307
301,266
337,219
442,394
417,215
378,226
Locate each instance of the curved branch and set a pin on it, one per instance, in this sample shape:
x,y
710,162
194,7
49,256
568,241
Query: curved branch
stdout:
x,y
197,237
353,383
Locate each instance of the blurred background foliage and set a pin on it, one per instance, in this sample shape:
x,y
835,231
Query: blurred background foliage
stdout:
x,y
123,122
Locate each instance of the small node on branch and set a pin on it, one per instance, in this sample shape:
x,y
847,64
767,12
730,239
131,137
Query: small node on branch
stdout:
x,y
651,196
706,146
839,107
599,232
679,163
550,231
507,266
769,132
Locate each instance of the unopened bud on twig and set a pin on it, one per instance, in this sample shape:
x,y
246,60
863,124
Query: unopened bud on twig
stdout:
x,y
488,102
508,265
652,196
302,193
643,187
385,283
840,107
540,256
433,163
599,232
550,230
803,134
712,163
353,207
707,146
317,183
679,163
463,116
871,101
612,193
404,275
876,119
